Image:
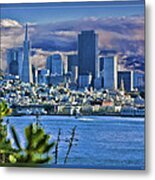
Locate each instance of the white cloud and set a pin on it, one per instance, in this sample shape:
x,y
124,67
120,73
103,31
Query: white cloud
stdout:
x,y
125,34
69,34
9,23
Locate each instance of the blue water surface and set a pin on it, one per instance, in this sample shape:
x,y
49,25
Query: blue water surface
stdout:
x,y
100,141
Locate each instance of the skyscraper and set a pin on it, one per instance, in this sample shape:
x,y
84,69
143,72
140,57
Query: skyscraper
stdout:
x,y
14,61
85,80
27,67
43,76
110,72
72,61
35,74
87,53
127,78
55,64
101,59
139,80
49,63
74,74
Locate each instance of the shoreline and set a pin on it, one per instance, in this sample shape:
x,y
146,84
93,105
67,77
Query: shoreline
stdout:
x,y
65,115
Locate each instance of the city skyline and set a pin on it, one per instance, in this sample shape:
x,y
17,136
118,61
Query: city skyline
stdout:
x,y
83,70
73,73
53,37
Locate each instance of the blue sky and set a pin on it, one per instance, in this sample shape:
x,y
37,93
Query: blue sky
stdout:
x,y
54,12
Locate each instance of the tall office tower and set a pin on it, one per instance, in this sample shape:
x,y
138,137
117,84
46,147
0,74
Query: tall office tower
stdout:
x,y
54,64
72,61
127,78
35,74
14,61
49,63
43,76
57,64
27,67
98,84
110,72
101,62
85,80
101,59
65,65
139,80
87,53
74,74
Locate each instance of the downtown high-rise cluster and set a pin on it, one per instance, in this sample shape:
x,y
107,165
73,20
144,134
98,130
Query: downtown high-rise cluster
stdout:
x,y
82,70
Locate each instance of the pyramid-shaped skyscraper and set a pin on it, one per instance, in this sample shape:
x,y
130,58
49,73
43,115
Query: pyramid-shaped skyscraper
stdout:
x,y
27,67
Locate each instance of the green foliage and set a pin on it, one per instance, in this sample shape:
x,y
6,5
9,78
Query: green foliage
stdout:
x,y
36,149
4,109
15,138
5,144
37,143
